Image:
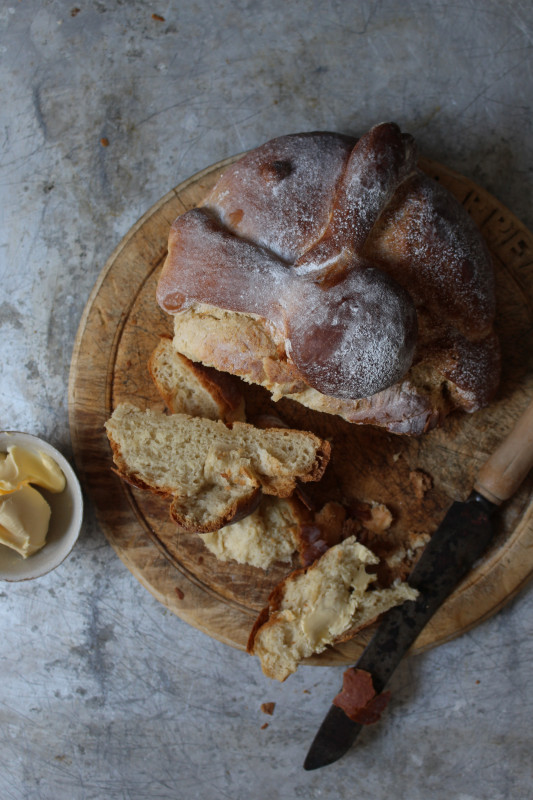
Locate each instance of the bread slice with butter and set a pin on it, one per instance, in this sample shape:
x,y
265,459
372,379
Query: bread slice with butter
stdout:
x,y
269,535
318,606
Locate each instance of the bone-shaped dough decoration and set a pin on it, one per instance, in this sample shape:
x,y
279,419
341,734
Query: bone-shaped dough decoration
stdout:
x,y
314,250
349,328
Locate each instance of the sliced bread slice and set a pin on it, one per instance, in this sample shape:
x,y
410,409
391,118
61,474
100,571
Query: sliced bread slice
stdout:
x,y
318,606
270,533
190,388
212,472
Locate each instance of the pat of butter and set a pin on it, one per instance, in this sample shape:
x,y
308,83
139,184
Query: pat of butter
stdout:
x,y
318,623
24,520
331,613
19,466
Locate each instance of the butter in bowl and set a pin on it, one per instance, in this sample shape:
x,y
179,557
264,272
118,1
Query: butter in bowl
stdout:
x,y
41,507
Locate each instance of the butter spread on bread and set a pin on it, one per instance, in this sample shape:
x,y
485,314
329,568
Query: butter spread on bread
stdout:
x,y
318,606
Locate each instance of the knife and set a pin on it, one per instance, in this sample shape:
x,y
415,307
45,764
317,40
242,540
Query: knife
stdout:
x,y
461,539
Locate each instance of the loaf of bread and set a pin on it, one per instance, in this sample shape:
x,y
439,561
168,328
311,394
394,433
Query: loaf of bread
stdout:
x,y
319,606
212,473
190,388
335,272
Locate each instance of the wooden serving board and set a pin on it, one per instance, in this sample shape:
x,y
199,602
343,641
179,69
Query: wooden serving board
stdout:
x,y
121,325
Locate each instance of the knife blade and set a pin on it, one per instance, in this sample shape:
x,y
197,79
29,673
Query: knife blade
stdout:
x,y
461,539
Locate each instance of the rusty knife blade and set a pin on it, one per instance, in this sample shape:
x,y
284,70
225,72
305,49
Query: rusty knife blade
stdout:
x,y
461,539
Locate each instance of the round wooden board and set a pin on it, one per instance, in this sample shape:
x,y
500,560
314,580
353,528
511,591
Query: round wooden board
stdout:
x,y
121,325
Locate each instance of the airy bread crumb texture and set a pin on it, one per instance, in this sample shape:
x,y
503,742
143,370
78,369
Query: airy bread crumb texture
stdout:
x,y
316,607
211,471
266,536
189,388
202,472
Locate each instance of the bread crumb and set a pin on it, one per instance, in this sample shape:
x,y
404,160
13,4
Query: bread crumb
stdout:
x,y
264,726
380,518
74,12
421,482
158,17
104,142
268,708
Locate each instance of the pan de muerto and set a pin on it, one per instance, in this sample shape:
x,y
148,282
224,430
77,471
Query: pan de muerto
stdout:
x,y
337,273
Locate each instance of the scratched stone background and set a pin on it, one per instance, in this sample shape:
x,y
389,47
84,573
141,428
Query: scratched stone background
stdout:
x,y
103,693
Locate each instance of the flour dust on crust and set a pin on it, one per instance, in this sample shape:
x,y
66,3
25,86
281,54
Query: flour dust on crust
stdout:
x,y
365,281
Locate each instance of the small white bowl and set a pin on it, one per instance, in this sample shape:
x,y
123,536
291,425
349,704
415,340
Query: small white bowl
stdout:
x,y
65,520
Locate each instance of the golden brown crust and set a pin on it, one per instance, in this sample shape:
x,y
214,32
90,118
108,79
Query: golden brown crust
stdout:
x,y
121,469
268,615
413,406
323,456
269,212
450,373
240,509
427,241
319,531
318,296
236,343
284,486
262,618
222,387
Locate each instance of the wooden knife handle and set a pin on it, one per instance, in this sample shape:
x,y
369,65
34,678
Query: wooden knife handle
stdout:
x,y
507,467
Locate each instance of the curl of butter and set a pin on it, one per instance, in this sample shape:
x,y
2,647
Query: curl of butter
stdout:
x,y
24,520
24,513
20,466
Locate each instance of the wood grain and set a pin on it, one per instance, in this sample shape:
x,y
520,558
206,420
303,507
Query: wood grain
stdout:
x,y
118,330
503,473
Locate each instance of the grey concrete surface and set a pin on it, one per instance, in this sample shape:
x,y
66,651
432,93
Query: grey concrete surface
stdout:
x,y
103,693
